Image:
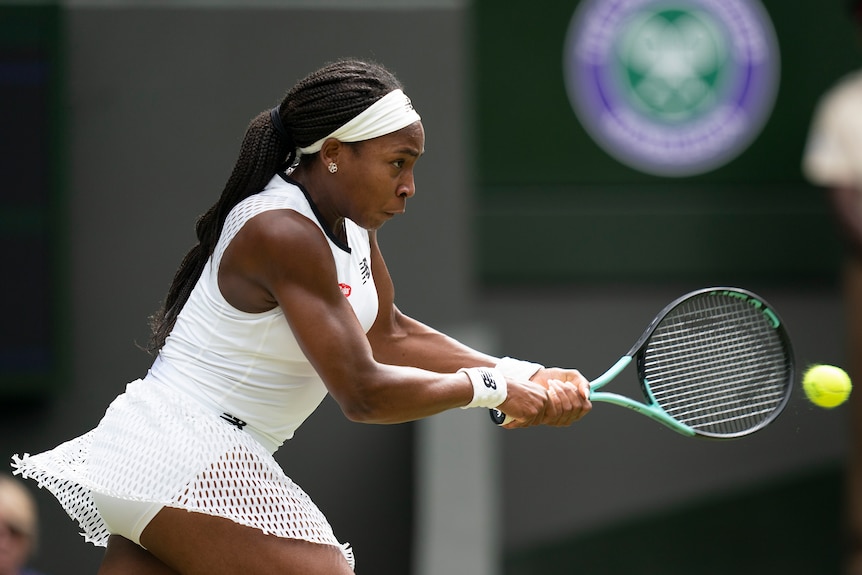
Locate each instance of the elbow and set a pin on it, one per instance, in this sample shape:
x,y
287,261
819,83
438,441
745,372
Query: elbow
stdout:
x,y
359,412
366,404
363,410
368,393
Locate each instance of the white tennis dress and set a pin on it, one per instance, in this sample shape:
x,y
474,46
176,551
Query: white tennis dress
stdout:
x,y
227,389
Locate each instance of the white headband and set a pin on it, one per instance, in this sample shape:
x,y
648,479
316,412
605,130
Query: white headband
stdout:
x,y
388,114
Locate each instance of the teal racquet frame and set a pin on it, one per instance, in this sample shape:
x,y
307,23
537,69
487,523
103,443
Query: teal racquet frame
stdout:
x,y
650,409
764,399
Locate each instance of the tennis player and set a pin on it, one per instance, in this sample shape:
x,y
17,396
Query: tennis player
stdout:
x,y
285,298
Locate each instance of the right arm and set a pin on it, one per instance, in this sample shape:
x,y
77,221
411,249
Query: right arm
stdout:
x,y
401,340
281,258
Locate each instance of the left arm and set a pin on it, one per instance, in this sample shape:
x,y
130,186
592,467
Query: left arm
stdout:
x,y
397,339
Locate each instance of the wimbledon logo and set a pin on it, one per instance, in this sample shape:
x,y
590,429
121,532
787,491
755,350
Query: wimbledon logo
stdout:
x,y
673,87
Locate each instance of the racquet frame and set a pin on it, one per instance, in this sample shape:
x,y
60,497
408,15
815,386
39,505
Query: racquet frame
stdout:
x,y
650,406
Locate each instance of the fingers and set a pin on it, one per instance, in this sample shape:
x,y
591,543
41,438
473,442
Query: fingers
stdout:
x,y
526,404
552,401
568,401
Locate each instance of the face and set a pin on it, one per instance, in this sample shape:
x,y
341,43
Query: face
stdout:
x,y
14,548
377,176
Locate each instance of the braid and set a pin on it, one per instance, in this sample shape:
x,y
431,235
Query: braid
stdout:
x,y
327,99
317,106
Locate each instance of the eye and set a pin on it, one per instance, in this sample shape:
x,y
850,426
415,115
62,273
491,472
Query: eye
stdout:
x,y
398,163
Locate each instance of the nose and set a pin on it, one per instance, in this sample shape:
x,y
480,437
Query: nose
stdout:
x,y
407,187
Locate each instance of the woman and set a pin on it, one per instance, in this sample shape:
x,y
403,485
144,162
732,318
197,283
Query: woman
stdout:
x,y
286,298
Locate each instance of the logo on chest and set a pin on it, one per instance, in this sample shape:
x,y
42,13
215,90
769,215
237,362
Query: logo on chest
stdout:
x,y
364,270
364,275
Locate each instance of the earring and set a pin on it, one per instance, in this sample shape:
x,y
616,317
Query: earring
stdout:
x,y
333,167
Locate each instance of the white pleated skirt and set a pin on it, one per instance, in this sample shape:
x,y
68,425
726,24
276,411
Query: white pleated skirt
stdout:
x,y
157,445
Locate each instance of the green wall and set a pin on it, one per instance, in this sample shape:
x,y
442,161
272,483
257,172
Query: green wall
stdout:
x,y
791,526
555,207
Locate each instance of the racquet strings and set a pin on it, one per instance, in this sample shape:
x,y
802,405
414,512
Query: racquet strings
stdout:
x,y
717,364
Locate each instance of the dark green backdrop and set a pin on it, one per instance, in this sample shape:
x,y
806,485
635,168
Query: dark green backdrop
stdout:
x,y
554,207
791,527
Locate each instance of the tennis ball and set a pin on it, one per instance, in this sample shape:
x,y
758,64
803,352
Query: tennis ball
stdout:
x,y
826,385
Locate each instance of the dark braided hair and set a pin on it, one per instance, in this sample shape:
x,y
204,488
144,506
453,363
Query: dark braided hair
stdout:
x,y
316,106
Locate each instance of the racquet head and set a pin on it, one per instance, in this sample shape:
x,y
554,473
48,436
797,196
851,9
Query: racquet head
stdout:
x,y
719,361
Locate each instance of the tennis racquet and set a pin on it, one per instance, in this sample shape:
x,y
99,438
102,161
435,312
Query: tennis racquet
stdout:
x,y
715,363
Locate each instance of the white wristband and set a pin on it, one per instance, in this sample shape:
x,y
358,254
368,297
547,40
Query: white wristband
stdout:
x,y
518,369
489,386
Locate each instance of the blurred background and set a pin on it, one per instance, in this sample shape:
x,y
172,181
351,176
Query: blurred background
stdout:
x,y
569,190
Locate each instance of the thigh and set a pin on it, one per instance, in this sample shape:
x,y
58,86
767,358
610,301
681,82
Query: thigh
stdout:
x,y
199,544
126,558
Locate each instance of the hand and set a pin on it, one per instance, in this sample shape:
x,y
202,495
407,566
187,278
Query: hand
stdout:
x,y
568,395
567,400
525,403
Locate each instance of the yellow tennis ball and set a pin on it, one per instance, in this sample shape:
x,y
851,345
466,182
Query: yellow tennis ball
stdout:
x,y
826,385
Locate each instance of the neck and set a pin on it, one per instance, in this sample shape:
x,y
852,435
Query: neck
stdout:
x,y
321,196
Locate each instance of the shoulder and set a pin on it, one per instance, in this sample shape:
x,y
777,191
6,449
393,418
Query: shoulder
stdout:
x,y
277,250
273,231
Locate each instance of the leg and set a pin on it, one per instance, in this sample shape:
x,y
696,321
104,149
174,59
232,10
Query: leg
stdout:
x,y
199,544
126,558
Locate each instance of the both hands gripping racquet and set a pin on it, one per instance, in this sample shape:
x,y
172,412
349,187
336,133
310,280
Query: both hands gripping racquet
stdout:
x,y
715,363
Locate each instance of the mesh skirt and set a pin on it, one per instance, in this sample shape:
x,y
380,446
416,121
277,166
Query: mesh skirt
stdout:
x,y
156,445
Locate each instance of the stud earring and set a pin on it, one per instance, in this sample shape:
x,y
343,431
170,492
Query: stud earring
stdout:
x,y
333,167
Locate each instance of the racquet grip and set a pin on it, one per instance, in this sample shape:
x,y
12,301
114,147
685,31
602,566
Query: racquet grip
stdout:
x,y
499,417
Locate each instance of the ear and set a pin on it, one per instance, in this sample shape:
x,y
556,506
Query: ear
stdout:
x,y
330,150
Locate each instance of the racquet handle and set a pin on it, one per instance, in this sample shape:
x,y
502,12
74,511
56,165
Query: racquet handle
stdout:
x,y
501,418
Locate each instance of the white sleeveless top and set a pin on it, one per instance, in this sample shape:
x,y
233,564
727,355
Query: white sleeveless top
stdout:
x,y
249,366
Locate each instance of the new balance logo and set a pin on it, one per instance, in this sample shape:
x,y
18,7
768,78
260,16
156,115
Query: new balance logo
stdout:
x,y
233,420
488,379
364,270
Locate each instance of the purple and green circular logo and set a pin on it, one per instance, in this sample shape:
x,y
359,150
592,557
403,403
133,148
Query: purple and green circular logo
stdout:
x,y
672,87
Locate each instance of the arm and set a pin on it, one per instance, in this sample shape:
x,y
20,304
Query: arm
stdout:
x,y
401,340
283,259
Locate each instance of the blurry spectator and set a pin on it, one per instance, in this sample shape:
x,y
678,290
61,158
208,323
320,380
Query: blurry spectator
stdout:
x,y
833,159
18,527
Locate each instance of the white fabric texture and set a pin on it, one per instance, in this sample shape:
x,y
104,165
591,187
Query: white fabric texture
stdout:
x,y
518,368
388,114
250,365
489,386
155,444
